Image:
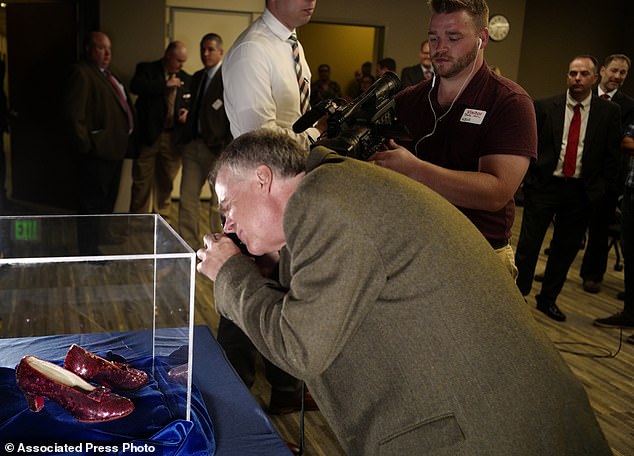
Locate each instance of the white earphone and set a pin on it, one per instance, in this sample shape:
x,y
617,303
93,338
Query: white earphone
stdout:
x,y
438,119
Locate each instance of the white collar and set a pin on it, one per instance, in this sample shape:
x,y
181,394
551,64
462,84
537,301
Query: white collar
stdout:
x,y
571,102
276,26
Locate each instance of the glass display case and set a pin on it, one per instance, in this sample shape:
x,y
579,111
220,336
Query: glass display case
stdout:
x,y
121,284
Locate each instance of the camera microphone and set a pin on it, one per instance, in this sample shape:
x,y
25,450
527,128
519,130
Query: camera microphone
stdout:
x,y
311,116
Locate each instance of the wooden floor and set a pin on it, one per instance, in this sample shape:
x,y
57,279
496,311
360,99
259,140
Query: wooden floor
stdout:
x,y
609,381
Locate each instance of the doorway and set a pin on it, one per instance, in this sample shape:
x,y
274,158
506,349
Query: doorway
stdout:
x,y
189,25
41,45
344,47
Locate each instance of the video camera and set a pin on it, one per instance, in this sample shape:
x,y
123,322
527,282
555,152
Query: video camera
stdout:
x,y
359,128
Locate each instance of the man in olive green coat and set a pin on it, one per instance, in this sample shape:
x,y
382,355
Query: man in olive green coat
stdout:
x,y
391,306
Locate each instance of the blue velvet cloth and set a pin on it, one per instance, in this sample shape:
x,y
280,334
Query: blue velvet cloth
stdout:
x,y
240,427
157,420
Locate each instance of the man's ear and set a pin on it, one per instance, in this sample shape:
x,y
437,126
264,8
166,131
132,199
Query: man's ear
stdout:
x,y
264,176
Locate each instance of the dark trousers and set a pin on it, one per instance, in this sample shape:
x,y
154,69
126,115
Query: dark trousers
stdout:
x,y
242,353
97,190
595,257
564,202
627,240
3,173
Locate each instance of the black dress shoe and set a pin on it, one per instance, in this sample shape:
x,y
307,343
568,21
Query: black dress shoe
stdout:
x,y
552,311
620,295
618,320
591,286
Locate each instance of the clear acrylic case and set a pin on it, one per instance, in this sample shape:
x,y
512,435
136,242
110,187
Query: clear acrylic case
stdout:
x,y
112,277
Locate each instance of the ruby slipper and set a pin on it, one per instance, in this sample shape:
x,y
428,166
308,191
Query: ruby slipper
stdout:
x,y
39,379
109,373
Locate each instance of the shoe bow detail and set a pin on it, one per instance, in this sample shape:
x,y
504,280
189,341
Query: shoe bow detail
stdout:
x,y
108,373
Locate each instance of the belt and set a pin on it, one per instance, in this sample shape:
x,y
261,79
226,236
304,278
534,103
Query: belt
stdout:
x,y
498,243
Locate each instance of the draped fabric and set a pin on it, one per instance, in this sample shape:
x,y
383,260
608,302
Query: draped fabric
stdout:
x,y
158,418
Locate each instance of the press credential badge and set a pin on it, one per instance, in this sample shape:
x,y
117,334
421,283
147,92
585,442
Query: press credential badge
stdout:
x,y
473,116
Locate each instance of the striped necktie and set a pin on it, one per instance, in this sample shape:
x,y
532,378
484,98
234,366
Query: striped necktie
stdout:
x,y
171,101
301,81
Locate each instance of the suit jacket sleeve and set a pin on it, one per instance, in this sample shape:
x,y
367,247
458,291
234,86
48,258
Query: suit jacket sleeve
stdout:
x,y
328,267
147,81
215,124
75,106
410,76
613,148
549,117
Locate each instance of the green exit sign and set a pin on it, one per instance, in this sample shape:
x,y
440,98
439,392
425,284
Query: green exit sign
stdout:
x,y
26,230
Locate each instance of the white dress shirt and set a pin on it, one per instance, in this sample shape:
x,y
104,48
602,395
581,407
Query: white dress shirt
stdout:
x,y
585,112
260,84
602,92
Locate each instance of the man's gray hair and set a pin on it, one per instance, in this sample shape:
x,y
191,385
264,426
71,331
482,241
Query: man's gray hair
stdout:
x,y
264,146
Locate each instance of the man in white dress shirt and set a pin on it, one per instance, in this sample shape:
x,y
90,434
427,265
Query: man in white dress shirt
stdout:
x,y
261,86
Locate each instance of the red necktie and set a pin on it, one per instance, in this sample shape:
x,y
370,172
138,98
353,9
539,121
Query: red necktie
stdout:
x,y
570,158
605,96
122,98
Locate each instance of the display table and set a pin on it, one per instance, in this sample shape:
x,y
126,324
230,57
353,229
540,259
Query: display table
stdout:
x,y
224,416
241,426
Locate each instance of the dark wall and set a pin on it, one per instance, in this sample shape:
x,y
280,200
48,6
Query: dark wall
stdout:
x,y
556,31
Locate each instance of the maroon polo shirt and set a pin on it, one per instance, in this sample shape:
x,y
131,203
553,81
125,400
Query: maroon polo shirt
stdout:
x,y
493,115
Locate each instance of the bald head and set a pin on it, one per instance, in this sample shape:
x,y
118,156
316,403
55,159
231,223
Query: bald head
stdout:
x,y
175,56
97,49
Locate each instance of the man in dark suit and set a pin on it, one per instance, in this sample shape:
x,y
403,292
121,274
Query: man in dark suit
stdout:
x,y
208,132
413,342
625,318
578,147
423,71
613,73
101,122
162,106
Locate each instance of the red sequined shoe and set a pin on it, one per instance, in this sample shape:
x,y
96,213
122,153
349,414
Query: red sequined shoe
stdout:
x,y
109,373
39,379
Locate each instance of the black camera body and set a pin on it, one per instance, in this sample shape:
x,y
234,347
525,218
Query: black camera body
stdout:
x,y
359,128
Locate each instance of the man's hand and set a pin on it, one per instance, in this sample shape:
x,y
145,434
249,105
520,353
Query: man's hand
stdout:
x,y
218,249
396,158
174,81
